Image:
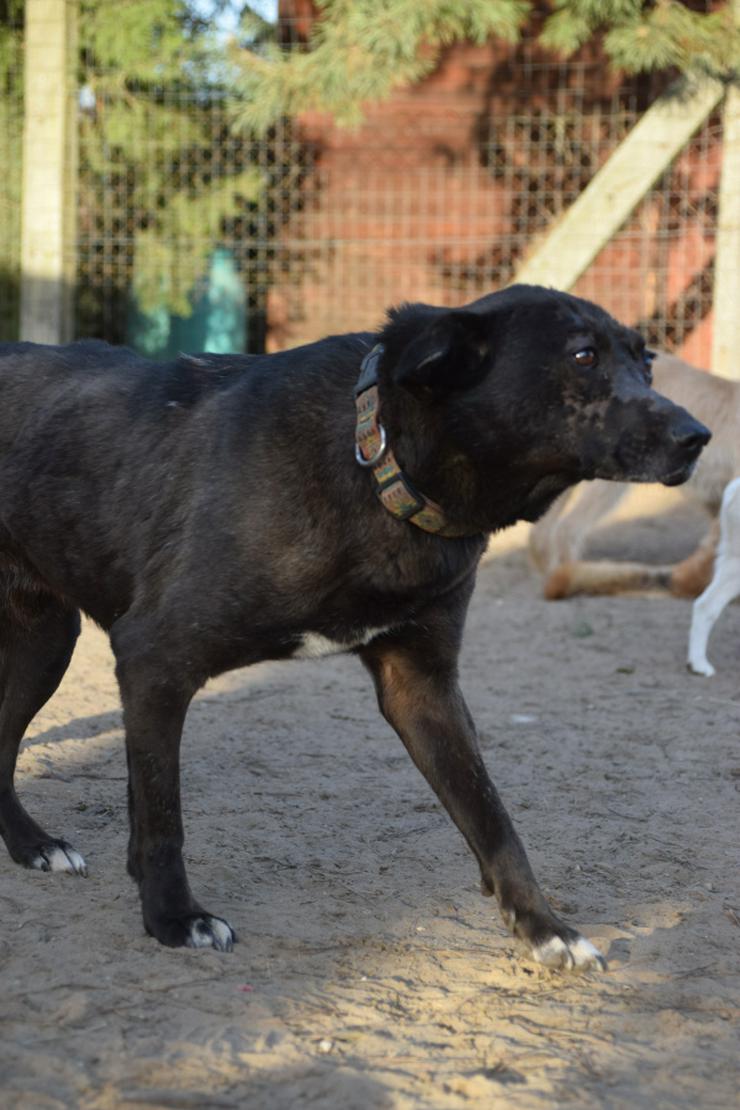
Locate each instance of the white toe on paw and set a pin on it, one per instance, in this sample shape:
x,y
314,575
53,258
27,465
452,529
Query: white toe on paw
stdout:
x,y
211,932
56,858
578,954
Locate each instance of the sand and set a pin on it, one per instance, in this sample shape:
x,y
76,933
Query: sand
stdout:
x,y
370,972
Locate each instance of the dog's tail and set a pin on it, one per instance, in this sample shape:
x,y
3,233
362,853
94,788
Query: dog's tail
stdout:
x,y
688,578
604,577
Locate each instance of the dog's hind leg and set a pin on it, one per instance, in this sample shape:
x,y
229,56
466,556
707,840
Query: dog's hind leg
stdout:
x,y
693,574
416,681
37,638
156,692
724,587
543,552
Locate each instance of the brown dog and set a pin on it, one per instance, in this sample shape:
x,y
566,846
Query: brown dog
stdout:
x,y
557,540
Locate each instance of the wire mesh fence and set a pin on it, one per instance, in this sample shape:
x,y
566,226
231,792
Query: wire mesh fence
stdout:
x,y
193,234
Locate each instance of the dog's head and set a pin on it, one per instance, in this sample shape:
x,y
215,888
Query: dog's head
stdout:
x,y
547,381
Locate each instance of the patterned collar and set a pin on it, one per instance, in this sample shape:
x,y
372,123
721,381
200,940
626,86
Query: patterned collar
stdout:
x,y
392,487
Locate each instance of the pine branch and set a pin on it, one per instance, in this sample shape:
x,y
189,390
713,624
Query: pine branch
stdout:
x,y
361,50
673,36
649,36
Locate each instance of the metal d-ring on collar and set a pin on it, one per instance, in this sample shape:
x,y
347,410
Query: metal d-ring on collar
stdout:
x,y
392,487
369,431
377,455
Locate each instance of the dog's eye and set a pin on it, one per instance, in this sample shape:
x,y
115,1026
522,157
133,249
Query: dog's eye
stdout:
x,y
585,357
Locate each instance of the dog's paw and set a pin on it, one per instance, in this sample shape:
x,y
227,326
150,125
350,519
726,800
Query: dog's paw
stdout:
x,y
58,856
211,932
552,943
193,930
701,666
570,953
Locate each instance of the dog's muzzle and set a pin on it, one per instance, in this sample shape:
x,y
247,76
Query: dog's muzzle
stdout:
x,y
686,440
690,437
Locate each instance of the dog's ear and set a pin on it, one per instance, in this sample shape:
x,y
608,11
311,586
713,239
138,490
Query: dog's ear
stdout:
x,y
450,353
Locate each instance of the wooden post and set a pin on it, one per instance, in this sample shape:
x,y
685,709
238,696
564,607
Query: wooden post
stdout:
x,y
726,319
49,171
616,189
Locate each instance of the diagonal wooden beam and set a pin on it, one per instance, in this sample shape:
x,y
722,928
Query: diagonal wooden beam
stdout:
x,y
571,245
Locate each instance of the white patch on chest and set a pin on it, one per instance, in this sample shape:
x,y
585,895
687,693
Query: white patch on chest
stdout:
x,y
313,645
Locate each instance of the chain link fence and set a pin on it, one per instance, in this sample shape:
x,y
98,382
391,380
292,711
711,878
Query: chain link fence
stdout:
x,y
190,233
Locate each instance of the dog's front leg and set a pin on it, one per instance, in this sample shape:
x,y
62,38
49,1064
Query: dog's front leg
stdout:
x,y
154,706
416,681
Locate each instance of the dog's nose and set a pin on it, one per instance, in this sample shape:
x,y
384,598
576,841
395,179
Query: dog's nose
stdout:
x,y
690,436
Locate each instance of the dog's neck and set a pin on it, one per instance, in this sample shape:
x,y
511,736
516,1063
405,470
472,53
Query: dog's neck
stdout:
x,y
373,452
406,455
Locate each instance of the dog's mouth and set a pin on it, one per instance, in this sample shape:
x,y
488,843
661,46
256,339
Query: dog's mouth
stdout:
x,y
691,437
670,467
686,468
680,475
626,472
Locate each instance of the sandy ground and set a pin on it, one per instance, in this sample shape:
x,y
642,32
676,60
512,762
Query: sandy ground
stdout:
x,y
370,972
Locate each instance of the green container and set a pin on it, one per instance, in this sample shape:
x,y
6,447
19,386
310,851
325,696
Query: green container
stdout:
x,y
218,322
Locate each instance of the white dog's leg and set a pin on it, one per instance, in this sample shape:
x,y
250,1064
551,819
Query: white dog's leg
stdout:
x,y
725,584
723,588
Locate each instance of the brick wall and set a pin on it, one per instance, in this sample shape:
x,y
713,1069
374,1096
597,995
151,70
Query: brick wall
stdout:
x,y
447,185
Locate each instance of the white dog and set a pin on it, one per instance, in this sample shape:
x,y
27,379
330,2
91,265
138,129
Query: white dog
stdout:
x,y
725,584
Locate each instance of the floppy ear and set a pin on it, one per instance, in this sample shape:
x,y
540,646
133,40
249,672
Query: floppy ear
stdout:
x,y
449,353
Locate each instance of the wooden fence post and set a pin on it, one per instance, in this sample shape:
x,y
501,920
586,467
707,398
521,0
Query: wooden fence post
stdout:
x,y
726,319
49,170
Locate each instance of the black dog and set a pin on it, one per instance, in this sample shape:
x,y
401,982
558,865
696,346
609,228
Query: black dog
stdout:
x,y
223,510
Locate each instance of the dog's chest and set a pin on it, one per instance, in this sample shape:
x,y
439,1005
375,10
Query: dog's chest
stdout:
x,y
313,645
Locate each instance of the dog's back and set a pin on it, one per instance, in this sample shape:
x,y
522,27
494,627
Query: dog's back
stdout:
x,y
74,420
127,460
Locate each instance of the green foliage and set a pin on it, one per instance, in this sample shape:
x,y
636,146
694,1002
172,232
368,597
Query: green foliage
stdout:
x,y
148,178
11,47
140,40
654,36
11,146
360,50
148,151
172,246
